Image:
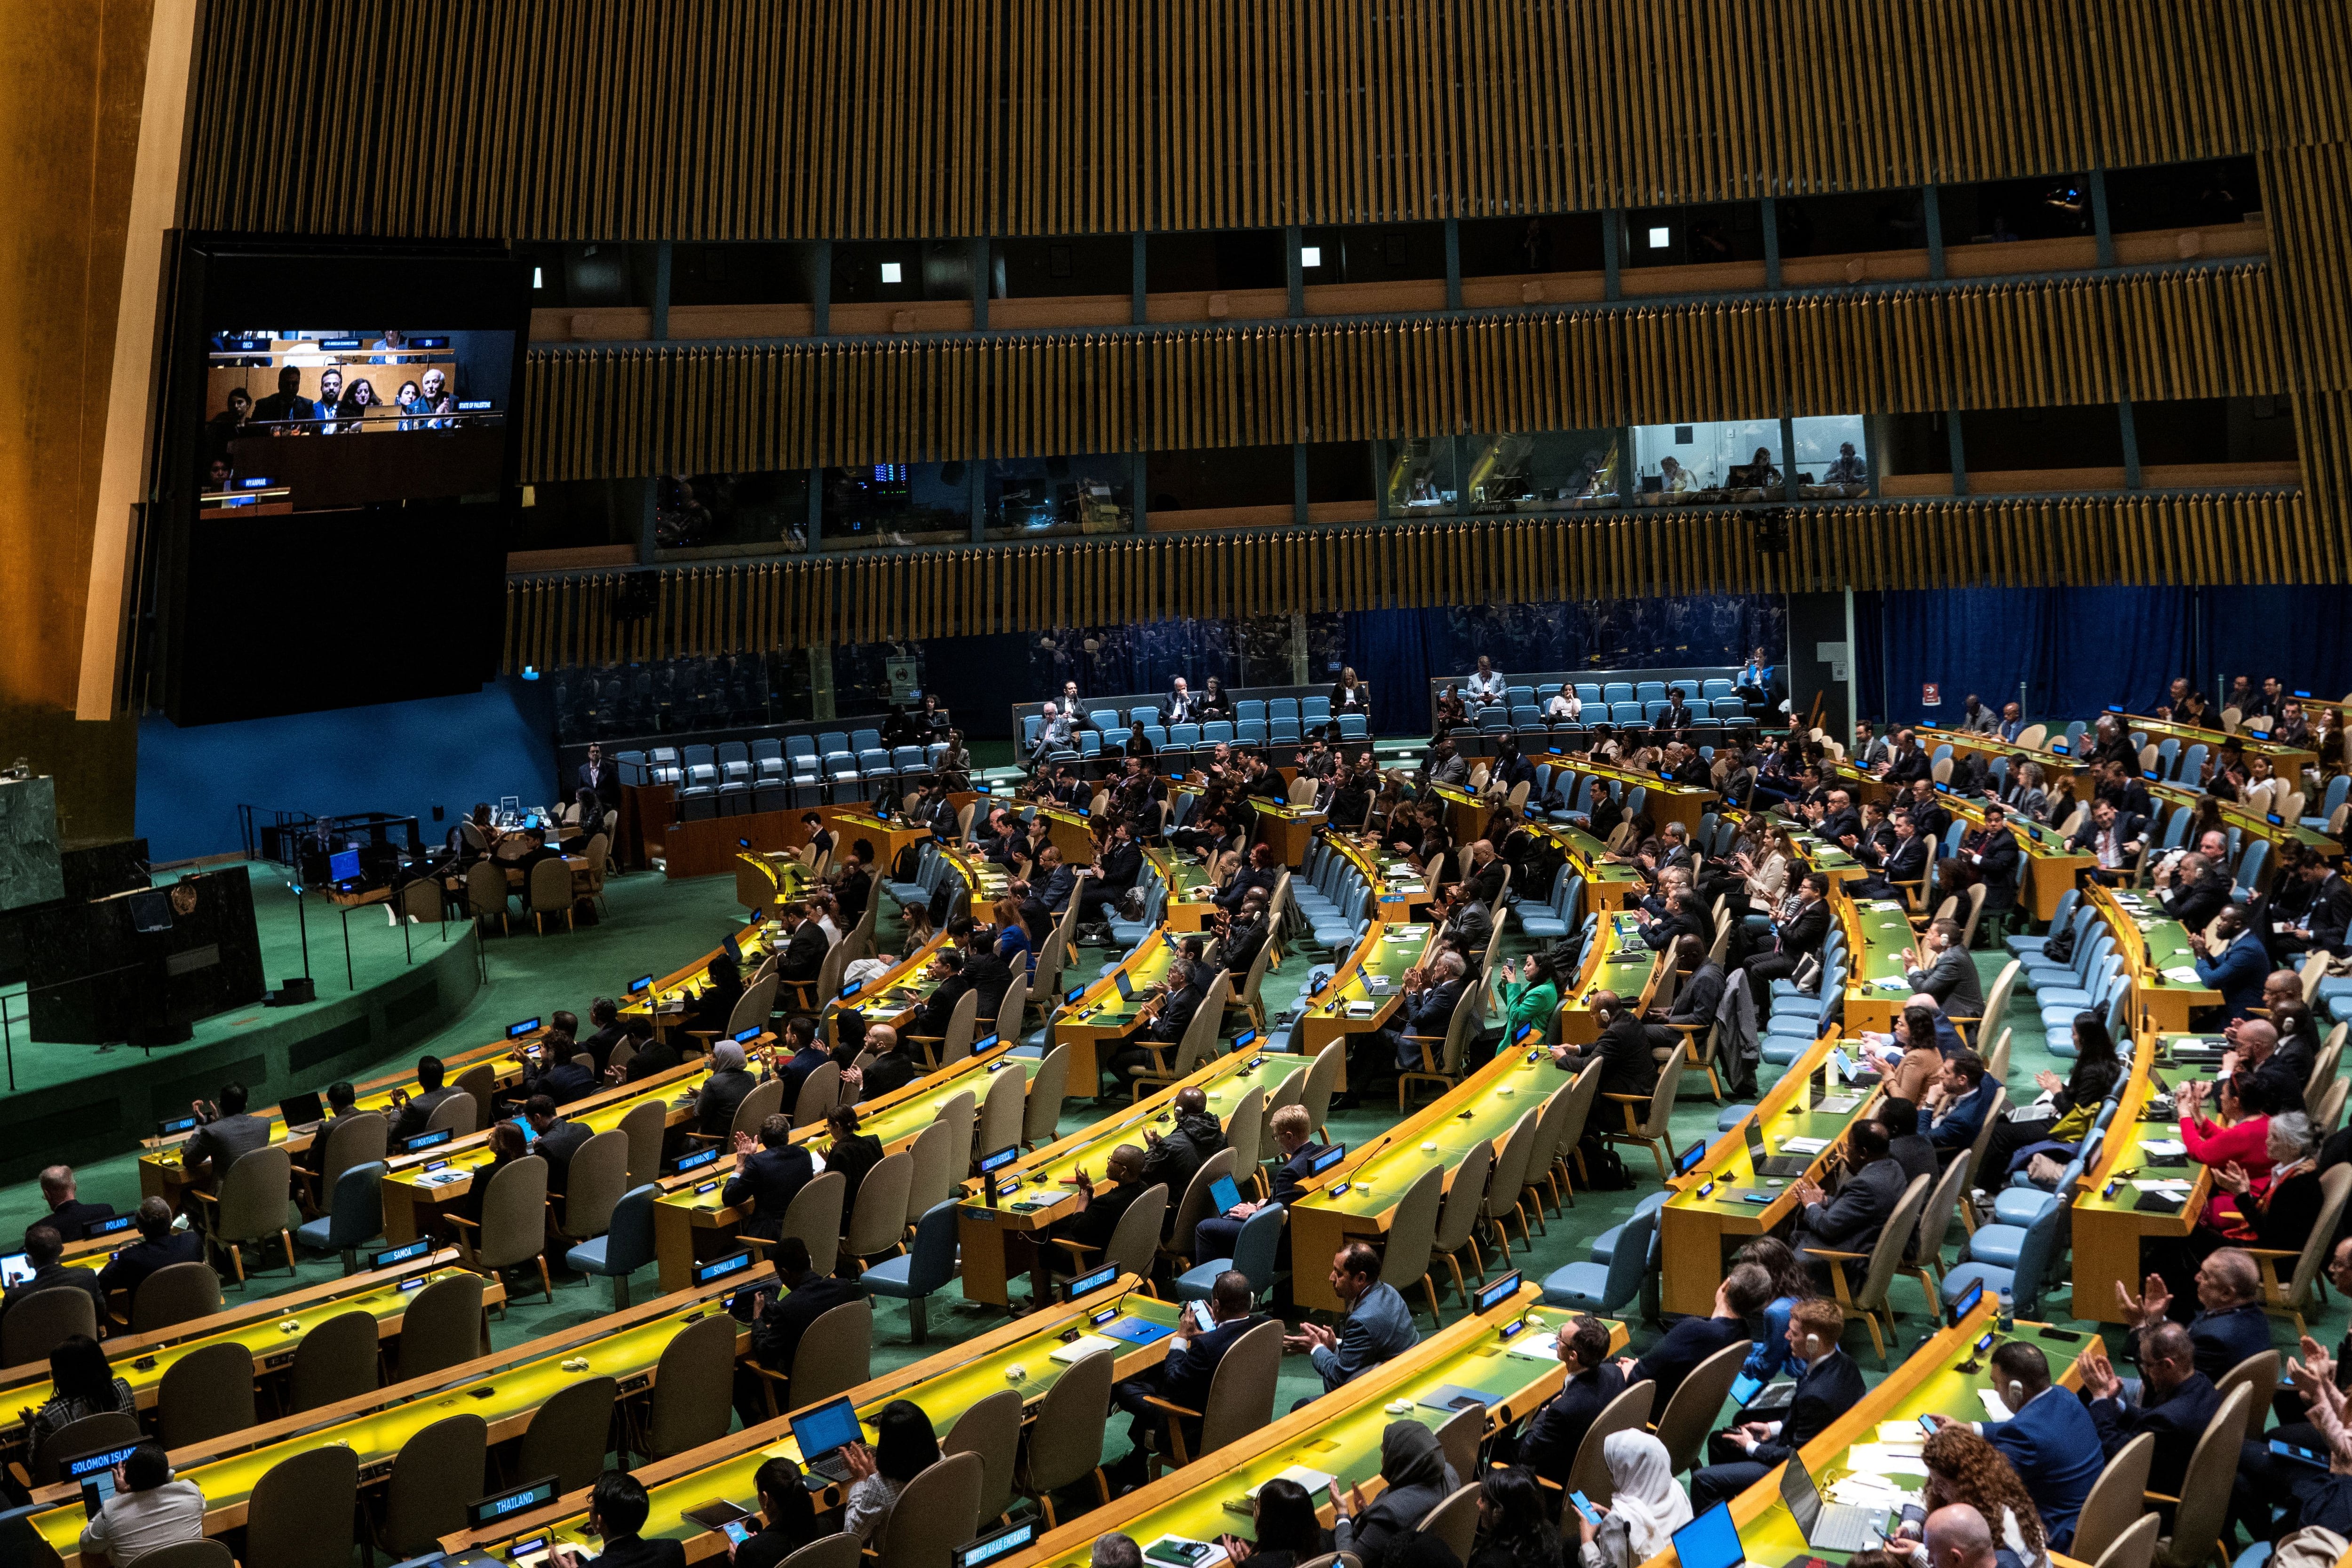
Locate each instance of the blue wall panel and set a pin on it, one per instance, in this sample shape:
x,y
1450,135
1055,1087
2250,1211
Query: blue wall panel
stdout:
x,y
403,758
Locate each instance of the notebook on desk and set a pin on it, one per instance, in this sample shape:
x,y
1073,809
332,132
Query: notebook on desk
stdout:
x,y
1084,1345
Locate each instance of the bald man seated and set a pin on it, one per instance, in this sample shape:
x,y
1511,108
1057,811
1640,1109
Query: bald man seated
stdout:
x,y
890,1070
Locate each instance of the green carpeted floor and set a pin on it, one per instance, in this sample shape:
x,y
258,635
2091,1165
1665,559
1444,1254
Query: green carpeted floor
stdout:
x,y
655,925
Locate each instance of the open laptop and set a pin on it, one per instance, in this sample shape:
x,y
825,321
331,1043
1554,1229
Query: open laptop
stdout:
x,y
1225,1195
300,1112
1711,1540
1828,1526
1771,1164
822,1433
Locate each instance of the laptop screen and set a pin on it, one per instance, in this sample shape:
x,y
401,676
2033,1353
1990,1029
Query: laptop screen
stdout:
x,y
826,1428
1798,1490
1755,1136
1126,986
1225,1195
1711,1540
301,1110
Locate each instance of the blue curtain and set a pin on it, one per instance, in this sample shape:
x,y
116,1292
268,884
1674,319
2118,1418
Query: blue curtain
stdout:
x,y
2076,650
1390,648
2303,634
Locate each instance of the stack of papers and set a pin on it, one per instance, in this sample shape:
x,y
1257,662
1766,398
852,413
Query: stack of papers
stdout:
x,y
1872,1461
2172,1187
2162,1148
1804,1145
1536,1344
1995,1409
1084,1345
1901,1433
1313,1482
2183,974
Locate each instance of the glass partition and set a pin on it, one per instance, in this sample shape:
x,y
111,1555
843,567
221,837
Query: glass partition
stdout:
x,y
1726,460
1830,456
1543,471
888,506
1416,477
1040,498
765,510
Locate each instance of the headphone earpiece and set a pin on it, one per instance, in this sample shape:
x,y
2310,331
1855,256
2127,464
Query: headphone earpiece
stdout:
x,y
2015,1388
1813,1344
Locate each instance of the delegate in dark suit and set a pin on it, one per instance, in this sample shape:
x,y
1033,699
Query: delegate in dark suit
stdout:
x,y
1626,1046
1851,1221
804,954
414,1115
1679,1354
2176,1421
55,1276
1425,1012
70,1218
134,1263
769,1179
796,1068
2054,1445
1700,995
2196,904
2220,1341
1558,1429
557,1143
1904,861
2237,971
560,1081
776,1334
1825,1390
1216,1235
1953,982
1182,1379
221,1141
1996,857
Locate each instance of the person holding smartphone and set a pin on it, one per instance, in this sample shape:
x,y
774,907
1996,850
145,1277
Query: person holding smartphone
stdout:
x,y
1645,1509
1206,1330
787,1518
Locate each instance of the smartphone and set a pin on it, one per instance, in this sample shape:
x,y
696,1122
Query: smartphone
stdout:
x,y
1757,1198
2300,1456
1584,1505
738,1531
1928,1425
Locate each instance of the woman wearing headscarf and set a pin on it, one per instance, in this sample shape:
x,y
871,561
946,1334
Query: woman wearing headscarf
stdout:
x,y
1417,1478
1639,1521
730,1079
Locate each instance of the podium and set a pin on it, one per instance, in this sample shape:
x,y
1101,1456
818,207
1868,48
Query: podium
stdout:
x,y
143,966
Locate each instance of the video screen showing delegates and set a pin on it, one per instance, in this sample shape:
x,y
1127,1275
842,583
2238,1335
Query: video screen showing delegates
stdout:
x,y
430,407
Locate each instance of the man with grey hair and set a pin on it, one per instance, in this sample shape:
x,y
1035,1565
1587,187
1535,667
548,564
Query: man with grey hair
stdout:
x,y
2230,1326
1116,1550
1430,997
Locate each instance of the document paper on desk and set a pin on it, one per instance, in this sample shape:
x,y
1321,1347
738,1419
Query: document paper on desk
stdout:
x,y
2162,1148
2184,974
1804,1145
1085,1345
1312,1482
2173,1187
1536,1345
1884,1459
1995,1408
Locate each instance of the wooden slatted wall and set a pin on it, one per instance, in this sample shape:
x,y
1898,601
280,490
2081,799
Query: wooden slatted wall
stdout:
x,y
612,412
777,119
556,622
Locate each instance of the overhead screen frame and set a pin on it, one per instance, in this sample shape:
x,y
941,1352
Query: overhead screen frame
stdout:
x,y
434,580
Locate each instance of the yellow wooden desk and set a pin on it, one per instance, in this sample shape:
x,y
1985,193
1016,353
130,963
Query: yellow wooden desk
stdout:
x,y
764,883
1339,1434
984,880
1365,992
1095,1023
1192,896
1877,934
1375,1175
944,1386
1618,960
2158,957
1067,829
2289,761
1466,814
1397,888
2064,776
1700,1228
692,1219
2109,1229
1930,1381
162,1176
1288,828
997,1243
1662,800
2050,863
850,824
417,1186
1817,854
505,1389
271,1329
1608,884
2249,822
663,1000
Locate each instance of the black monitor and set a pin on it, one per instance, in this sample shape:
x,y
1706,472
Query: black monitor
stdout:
x,y
1966,1303
174,1126
301,1110
642,983
516,1031
697,1161
1692,1157
343,866
992,1164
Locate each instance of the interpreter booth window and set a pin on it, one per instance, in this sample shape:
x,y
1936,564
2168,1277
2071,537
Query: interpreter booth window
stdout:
x,y
1548,470
892,271
1340,482
1725,461
742,275
1829,457
580,513
584,276
2218,191
1371,253
1516,247
1417,477
890,506
1060,265
2027,449
764,511
1215,259
1911,453
1045,498
1220,486
1845,225
1692,236
2191,441
2001,212
650,698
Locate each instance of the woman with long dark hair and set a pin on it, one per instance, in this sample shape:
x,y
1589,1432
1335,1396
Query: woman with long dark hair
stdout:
x,y
1512,1529
2061,1116
82,1384
1287,1531
904,1448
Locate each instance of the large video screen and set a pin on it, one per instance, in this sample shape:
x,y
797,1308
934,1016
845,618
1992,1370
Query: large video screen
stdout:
x,y
431,400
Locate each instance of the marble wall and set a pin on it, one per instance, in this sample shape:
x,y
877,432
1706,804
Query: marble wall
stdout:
x,y
30,872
